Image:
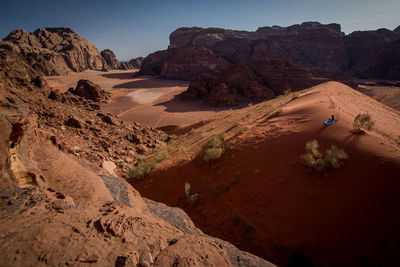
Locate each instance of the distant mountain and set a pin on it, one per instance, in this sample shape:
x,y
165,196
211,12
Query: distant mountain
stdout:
x,y
195,51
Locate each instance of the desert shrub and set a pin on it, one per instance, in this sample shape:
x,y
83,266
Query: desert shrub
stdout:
x,y
335,156
140,170
213,141
308,160
287,92
235,219
191,198
363,122
212,153
232,126
313,159
313,148
241,130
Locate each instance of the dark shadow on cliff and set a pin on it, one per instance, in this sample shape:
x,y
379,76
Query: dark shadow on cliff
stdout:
x,y
181,104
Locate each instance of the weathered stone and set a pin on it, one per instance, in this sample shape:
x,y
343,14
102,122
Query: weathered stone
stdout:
x,y
109,166
56,51
73,122
90,90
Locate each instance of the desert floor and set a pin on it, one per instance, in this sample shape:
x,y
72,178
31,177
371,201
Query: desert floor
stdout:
x,y
150,101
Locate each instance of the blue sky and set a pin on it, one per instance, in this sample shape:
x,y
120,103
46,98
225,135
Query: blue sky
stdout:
x,y
137,28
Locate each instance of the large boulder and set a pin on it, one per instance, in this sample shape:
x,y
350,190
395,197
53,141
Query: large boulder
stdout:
x,y
91,91
55,51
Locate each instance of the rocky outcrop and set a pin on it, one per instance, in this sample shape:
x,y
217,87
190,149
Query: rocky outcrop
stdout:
x,y
397,30
91,91
187,62
125,66
112,61
374,54
110,58
55,51
310,45
257,81
153,63
136,62
59,209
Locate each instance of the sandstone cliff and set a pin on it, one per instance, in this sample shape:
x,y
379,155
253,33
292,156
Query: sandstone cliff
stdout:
x,y
136,62
55,51
257,81
113,63
310,44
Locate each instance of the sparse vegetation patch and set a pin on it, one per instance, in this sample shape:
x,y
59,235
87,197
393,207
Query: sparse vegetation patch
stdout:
x,y
191,198
313,159
362,122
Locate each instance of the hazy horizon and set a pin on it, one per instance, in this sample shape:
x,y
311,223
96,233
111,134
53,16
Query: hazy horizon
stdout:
x,y
132,28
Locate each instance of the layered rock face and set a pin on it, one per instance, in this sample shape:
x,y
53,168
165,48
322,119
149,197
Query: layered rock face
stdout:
x,y
113,63
310,44
61,209
257,81
55,51
110,59
136,62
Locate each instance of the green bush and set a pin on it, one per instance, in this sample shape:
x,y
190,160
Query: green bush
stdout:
x,y
191,198
140,170
212,153
313,148
313,159
335,156
143,168
363,122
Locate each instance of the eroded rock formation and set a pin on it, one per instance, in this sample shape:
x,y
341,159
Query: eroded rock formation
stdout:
x,y
310,44
136,62
257,81
55,51
112,61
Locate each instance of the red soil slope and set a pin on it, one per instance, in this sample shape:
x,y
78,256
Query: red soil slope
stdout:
x,y
260,197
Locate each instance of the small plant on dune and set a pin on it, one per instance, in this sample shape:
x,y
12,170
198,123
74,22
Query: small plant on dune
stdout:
x,y
211,149
241,130
335,156
212,153
362,122
140,170
313,159
191,198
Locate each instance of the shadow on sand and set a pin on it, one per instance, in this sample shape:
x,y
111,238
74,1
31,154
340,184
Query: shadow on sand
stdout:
x,y
125,75
181,104
150,82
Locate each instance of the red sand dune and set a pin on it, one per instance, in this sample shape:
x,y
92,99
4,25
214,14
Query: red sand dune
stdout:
x,y
347,217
